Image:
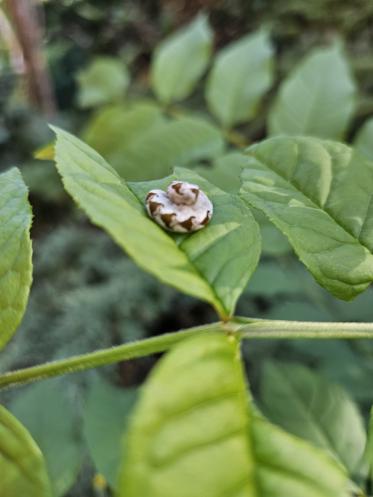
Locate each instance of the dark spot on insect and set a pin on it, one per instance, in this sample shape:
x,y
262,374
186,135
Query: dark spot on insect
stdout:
x,y
153,206
196,191
177,187
188,223
207,218
150,195
167,219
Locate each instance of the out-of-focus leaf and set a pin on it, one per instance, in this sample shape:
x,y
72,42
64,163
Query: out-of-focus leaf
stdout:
x,y
271,279
225,171
241,74
114,128
213,264
180,60
22,466
105,412
305,404
318,193
48,413
45,153
364,139
104,81
318,98
16,252
369,446
196,432
178,142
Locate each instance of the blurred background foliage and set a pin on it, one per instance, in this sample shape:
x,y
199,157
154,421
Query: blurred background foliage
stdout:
x,y
298,67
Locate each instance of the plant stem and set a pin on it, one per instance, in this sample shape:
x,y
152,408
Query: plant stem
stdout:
x,y
103,357
263,328
246,328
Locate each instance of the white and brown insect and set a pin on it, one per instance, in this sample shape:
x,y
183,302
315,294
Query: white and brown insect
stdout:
x,y
183,208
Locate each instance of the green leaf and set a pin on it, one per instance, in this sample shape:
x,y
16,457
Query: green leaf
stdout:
x,y
319,194
48,413
369,447
196,432
213,264
105,413
112,129
16,252
178,142
318,97
364,139
271,279
241,75
22,465
104,81
307,405
225,171
180,60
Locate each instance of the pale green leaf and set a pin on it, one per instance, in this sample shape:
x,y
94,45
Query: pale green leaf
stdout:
x,y
213,264
318,98
48,413
241,75
16,252
180,60
364,139
104,81
319,194
105,411
195,433
22,466
307,405
174,143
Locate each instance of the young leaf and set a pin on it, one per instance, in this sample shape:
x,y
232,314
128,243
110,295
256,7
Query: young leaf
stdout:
x,y
104,81
318,97
49,415
22,466
16,252
195,432
105,410
178,142
213,264
305,404
319,194
241,74
364,139
180,60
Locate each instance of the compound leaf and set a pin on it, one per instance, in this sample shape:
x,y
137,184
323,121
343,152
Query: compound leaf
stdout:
x,y
180,60
22,466
241,74
319,194
16,252
318,98
213,264
195,432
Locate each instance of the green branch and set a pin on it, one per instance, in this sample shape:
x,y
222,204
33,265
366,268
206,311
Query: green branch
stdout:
x,y
245,328
263,328
131,350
